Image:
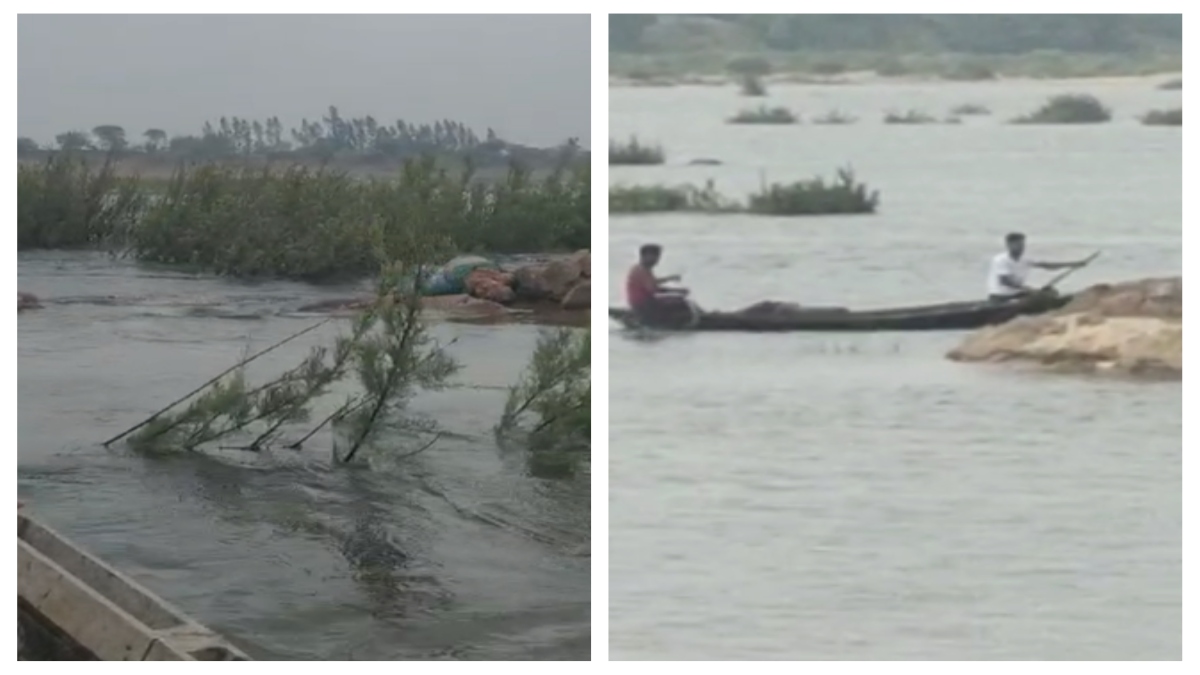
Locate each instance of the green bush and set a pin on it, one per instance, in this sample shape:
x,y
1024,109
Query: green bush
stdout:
x,y
299,223
1164,118
551,405
659,198
634,153
63,203
764,115
844,195
1068,109
815,197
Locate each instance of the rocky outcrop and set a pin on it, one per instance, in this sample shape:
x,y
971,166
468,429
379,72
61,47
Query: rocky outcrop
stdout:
x,y
463,307
541,288
1133,327
27,301
579,297
566,281
490,284
449,306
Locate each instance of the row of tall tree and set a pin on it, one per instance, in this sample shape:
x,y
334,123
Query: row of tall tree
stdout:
x,y
963,33
328,136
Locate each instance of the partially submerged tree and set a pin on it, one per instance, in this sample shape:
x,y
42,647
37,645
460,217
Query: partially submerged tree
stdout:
x,y
550,407
388,350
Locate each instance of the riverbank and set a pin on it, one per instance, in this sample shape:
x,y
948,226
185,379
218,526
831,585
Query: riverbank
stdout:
x,y
870,77
550,290
313,225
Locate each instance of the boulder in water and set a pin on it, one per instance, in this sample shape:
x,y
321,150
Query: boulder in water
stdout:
x,y
463,306
579,297
1133,327
552,280
490,284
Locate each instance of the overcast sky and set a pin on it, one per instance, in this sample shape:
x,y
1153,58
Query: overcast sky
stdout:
x,y
527,77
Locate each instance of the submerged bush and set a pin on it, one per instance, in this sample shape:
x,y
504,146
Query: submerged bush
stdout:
x,y
910,117
1164,118
844,195
764,115
752,86
815,197
1068,109
634,153
1172,85
64,203
551,405
658,198
970,109
835,117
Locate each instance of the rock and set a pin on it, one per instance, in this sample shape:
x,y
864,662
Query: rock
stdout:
x,y
1134,327
27,301
463,306
552,280
490,284
584,260
579,297
454,306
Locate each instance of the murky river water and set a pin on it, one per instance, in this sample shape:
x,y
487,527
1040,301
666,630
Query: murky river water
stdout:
x,y
860,497
484,562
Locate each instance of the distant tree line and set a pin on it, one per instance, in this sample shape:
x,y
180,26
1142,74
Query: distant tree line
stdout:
x,y
326,138
963,33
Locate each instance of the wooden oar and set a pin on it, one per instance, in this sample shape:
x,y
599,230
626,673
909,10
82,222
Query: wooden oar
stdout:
x,y
1068,272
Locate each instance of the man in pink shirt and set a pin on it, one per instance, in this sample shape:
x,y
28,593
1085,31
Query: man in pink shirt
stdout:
x,y
647,297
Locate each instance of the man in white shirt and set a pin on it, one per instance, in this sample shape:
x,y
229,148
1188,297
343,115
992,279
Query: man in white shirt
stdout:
x,y
1008,271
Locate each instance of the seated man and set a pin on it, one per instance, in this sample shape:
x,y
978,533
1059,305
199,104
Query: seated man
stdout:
x,y
1008,271
653,303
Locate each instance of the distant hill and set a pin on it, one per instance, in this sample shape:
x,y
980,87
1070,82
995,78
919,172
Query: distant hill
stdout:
x,y
987,34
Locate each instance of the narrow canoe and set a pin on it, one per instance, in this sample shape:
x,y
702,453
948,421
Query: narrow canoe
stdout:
x,y
944,317
71,606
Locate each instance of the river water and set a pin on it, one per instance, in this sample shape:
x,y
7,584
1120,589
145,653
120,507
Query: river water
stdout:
x,y
281,552
859,496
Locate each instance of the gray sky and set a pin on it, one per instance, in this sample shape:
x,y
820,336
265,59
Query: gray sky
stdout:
x,y
528,77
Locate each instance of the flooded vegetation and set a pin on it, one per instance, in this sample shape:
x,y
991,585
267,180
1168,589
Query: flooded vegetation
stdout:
x,y
816,196
323,383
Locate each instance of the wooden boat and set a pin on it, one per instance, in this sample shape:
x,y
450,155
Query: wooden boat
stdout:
x,y
73,607
943,317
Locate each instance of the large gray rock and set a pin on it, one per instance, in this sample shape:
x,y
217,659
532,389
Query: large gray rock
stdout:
x,y
1134,327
